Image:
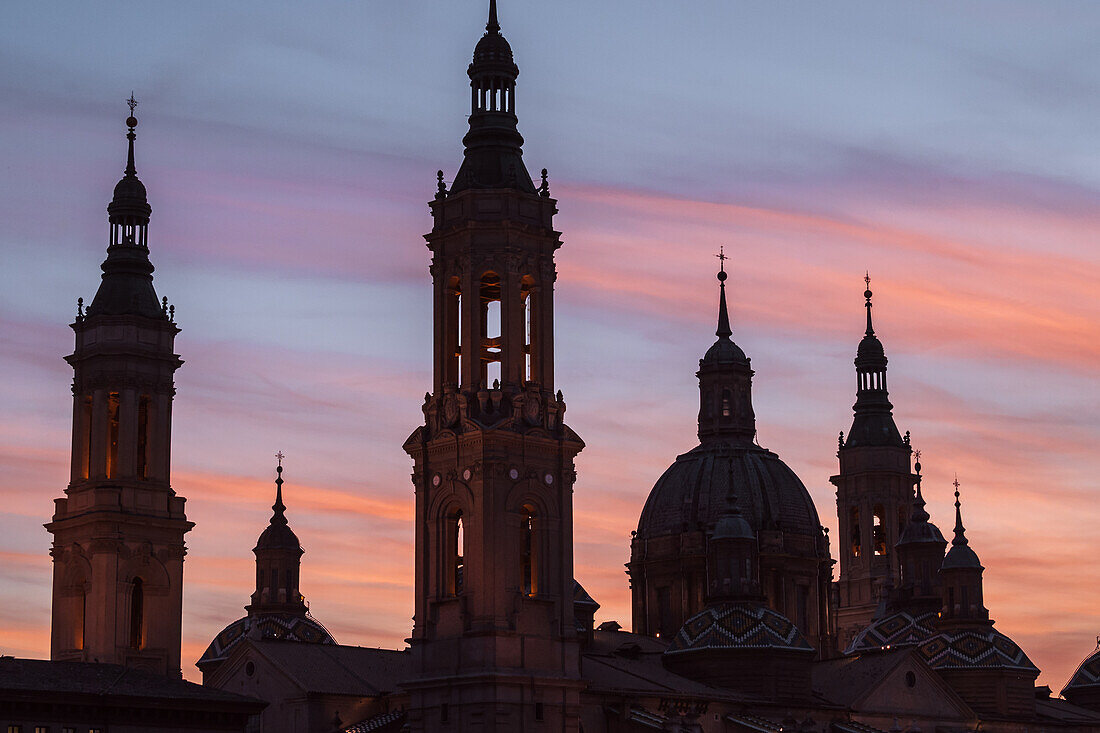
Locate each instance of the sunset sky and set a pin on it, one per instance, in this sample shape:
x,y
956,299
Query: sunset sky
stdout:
x,y
289,149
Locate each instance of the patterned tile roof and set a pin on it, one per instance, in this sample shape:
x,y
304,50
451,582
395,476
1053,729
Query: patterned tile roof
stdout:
x,y
385,721
1087,675
899,629
974,649
285,626
738,626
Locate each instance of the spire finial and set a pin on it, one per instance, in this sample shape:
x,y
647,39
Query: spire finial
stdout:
x,y
278,508
960,530
131,122
492,26
724,330
867,294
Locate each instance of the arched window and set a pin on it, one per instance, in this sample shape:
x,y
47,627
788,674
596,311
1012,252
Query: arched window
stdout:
x,y
880,530
143,437
112,435
490,328
727,407
86,436
452,330
137,615
529,349
855,533
456,550
79,640
528,553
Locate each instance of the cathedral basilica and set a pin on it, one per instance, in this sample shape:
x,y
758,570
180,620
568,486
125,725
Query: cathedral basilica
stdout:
x,y
747,615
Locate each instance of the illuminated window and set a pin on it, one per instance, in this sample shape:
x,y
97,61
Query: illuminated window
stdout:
x,y
726,399
456,550
112,435
856,538
879,531
490,328
528,553
529,348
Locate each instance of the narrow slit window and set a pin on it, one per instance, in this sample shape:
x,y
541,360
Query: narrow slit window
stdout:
x,y
112,435
86,436
137,615
143,438
528,548
457,550
880,531
856,534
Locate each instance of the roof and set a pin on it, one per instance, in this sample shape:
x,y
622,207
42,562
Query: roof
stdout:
x,y
735,626
982,648
1087,674
902,628
846,679
286,626
619,661
337,670
1065,712
693,491
108,681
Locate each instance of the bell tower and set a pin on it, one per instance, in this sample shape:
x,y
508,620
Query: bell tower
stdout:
x,y
874,492
494,638
118,532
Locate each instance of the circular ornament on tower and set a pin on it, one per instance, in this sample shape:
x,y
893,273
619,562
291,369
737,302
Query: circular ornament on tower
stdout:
x,y
548,478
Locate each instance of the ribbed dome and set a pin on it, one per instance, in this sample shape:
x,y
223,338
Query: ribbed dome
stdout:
x,y
870,348
738,626
917,532
961,556
278,537
1087,675
129,191
724,351
692,493
493,49
283,626
900,629
974,649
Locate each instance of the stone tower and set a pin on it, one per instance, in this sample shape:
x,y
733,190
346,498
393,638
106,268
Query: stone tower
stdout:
x,y
118,532
874,492
494,640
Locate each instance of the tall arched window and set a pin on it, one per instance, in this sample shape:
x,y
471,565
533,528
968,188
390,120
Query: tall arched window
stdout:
x,y
529,349
137,615
452,330
880,530
86,436
112,435
528,553
855,533
143,437
490,328
456,550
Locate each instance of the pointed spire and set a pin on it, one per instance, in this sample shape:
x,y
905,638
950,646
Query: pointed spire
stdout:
x,y
919,513
131,122
724,330
867,294
278,508
492,26
960,530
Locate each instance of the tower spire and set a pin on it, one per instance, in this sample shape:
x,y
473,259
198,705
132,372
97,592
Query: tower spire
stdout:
x,y
724,330
131,122
492,26
867,294
278,508
960,530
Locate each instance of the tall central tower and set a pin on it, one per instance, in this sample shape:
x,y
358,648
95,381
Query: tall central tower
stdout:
x,y
494,637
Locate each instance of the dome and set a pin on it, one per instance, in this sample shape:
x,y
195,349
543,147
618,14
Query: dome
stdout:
x,y
493,50
974,649
960,556
901,629
284,626
724,351
278,536
1086,676
130,190
738,626
870,348
692,494
917,532
732,527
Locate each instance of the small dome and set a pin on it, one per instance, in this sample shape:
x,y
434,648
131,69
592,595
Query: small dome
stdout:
x,y
961,556
283,626
692,494
130,189
738,626
724,351
732,527
870,348
901,629
278,536
1086,676
493,50
921,532
974,649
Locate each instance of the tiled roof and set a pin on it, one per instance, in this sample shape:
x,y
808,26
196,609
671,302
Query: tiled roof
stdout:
x,y
738,626
286,626
984,648
900,629
1087,675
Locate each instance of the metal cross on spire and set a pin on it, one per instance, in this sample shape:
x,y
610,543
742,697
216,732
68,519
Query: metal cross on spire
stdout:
x,y
722,257
132,102
280,456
